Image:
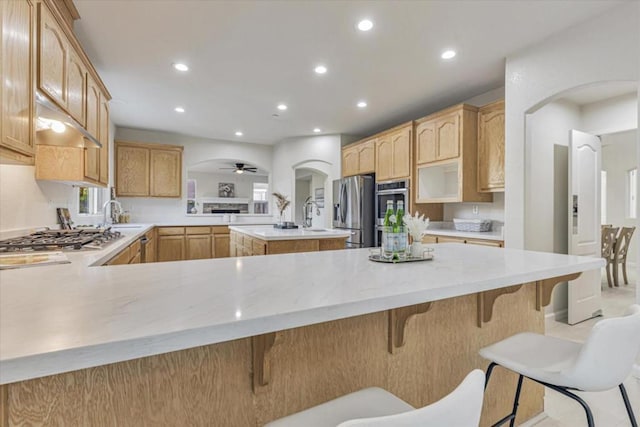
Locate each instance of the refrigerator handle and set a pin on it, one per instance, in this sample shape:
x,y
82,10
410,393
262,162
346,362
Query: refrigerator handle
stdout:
x,y
343,204
338,207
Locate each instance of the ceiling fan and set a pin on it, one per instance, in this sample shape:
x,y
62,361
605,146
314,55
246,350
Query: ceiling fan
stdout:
x,y
242,168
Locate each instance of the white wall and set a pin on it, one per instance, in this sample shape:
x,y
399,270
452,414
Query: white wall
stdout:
x,y
493,210
207,183
196,150
321,153
616,114
602,49
618,156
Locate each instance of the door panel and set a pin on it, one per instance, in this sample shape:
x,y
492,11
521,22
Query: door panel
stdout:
x,y
584,223
352,201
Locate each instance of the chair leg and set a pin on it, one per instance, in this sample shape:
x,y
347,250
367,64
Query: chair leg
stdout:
x,y
627,405
489,370
582,403
516,400
624,271
615,274
609,278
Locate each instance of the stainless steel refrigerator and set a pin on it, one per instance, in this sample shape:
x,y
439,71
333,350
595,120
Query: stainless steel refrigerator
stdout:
x,y
354,209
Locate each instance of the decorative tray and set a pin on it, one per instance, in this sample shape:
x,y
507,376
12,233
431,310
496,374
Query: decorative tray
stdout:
x,y
378,258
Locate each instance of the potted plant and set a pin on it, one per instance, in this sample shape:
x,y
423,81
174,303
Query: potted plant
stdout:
x,y
282,203
417,227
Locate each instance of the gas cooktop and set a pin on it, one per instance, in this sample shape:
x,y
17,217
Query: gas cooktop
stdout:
x,y
48,240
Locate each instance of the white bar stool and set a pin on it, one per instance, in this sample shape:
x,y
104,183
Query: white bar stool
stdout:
x,y
375,407
603,362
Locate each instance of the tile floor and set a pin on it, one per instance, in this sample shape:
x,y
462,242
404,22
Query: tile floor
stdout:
x,y
607,407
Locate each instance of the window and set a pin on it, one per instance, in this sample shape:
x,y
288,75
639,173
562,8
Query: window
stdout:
x,y
260,191
90,200
603,197
632,192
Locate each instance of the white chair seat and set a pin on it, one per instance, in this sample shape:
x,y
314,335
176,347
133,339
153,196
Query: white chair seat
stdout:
x,y
368,402
536,356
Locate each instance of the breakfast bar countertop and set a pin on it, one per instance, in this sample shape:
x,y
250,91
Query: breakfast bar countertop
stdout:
x,y
61,318
271,233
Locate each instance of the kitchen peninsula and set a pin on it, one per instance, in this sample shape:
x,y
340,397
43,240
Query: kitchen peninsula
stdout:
x,y
242,341
267,240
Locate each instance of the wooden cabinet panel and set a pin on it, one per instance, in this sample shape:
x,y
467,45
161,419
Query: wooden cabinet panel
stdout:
x,y
197,230
166,173
350,161
292,246
59,163
448,136
93,108
150,251
76,86
136,259
367,157
122,258
132,171
171,231
493,243
384,158
491,147
221,246
52,52
170,248
198,246
92,163
331,244
16,86
103,137
429,239
401,144
442,239
259,247
426,142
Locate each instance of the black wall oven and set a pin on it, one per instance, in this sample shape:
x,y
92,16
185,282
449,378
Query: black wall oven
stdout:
x,y
385,191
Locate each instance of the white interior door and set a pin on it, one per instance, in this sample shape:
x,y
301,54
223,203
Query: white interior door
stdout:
x,y
585,164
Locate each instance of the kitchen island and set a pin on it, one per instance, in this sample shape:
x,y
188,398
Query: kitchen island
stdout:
x,y
267,240
242,341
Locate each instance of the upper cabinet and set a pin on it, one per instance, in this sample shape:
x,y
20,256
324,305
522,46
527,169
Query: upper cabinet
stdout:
x,y
53,54
393,153
103,137
359,158
491,147
17,84
76,87
148,170
447,157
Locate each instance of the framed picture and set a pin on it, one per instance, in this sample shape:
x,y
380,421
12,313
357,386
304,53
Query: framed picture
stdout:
x,y
226,189
319,196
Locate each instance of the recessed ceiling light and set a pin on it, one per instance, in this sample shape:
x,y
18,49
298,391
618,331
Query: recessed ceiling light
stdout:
x,y
365,25
448,54
317,130
179,109
180,66
238,133
362,104
282,107
320,69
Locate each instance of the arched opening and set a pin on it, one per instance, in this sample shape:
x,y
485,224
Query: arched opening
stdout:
x,y
309,188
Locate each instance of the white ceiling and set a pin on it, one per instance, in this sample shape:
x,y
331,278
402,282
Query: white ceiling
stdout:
x,y
248,56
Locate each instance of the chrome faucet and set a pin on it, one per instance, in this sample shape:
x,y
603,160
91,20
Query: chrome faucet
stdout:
x,y
307,212
104,210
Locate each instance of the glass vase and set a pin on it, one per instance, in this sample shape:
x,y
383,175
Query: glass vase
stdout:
x,y
394,243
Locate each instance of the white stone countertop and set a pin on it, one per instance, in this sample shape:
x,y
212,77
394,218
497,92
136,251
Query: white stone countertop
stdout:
x,y
65,317
271,233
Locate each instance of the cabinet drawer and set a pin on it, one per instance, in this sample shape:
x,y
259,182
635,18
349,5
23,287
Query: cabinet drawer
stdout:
x,y
220,229
198,230
450,240
429,239
170,231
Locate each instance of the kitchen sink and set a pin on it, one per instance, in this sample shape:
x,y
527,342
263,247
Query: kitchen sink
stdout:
x,y
126,226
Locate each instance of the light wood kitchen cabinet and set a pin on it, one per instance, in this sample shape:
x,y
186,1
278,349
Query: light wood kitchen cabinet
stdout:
x,y
430,238
450,136
93,108
122,258
165,173
393,153
198,243
129,255
491,147
74,165
170,248
92,163
242,244
76,86
148,170
220,241
103,137
150,247
17,20
359,158
53,52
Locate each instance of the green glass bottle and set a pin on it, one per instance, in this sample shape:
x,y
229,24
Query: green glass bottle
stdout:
x,y
399,217
388,222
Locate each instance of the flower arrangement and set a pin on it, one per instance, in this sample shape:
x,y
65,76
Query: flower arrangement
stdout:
x,y
416,225
282,203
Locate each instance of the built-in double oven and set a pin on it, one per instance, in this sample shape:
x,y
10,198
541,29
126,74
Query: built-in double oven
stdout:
x,y
390,190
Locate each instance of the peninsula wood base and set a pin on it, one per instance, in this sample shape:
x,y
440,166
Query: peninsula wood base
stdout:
x,y
213,385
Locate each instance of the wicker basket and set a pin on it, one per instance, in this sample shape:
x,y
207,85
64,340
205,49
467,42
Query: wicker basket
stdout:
x,y
472,224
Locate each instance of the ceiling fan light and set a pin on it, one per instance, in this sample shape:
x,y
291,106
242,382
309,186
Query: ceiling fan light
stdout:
x,y
239,171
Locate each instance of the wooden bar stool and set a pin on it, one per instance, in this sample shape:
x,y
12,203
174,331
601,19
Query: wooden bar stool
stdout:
x,y
603,362
620,253
375,407
608,247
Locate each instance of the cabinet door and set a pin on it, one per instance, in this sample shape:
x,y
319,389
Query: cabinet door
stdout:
x,y
448,136
199,246
401,157
166,173
491,148
221,246
52,55
136,259
170,248
93,108
350,161
16,86
92,163
367,157
76,86
150,251
132,171
426,143
122,258
384,158
103,137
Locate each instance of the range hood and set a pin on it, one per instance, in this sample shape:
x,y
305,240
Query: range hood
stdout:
x,y
53,123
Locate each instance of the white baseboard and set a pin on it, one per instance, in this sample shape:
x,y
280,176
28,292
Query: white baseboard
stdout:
x,y
558,316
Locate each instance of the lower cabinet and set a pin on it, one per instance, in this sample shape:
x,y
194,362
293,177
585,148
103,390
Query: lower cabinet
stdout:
x,y
198,243
150,247
129,255
430,238
170,248
186,243
245,245
220,242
